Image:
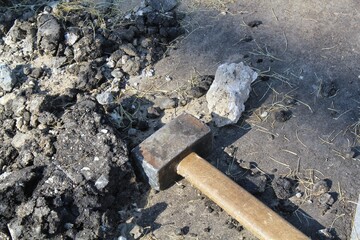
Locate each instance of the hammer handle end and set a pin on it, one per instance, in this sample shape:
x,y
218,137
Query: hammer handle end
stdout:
x,y
255,216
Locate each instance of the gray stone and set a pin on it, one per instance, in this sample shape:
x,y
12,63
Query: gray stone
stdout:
x,y
114,58
132,132
126,34
326,200
129,49
101,182
256,184
105,98
229,92
18,106
6,98
88,47
15,228
19,139
146,42
321,187
117,73
283,187
7,80
131,67
47,118
71,37
48,34
163,5
34,104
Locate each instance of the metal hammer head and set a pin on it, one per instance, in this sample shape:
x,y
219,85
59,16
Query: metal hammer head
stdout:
x,y
158,155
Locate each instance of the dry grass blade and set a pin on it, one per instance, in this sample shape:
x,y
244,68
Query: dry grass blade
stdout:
x,y
265,53
281,163
297,137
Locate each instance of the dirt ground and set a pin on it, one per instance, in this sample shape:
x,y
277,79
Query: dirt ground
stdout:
x,y
306,52
296,147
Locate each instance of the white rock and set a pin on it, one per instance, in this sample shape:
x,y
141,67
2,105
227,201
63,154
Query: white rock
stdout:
x,y
71,38
264,114
105,98
7,81
15,228
101,182
229,92
105,131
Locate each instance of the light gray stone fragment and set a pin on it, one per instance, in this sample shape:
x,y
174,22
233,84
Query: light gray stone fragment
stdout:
x,y
101,182
105,98
7,80
229,92
19,139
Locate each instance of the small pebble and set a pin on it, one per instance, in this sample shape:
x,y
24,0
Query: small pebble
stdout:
x,y
326,199
183,102
207,229
283,116
27,70
350,154
47,9
264,114
298,195
321,187
105,98
182,231
105,131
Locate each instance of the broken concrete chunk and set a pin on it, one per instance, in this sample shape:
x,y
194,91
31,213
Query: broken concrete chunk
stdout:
x,y
7,80
105,98
48,34
229,92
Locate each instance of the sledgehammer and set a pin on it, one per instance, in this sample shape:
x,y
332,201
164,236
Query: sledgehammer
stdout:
x,y
170,152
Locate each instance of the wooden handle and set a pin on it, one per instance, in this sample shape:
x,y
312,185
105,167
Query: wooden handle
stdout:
x,y
236,201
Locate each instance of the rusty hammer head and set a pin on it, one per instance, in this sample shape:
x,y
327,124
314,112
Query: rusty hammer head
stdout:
x,y
158,155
